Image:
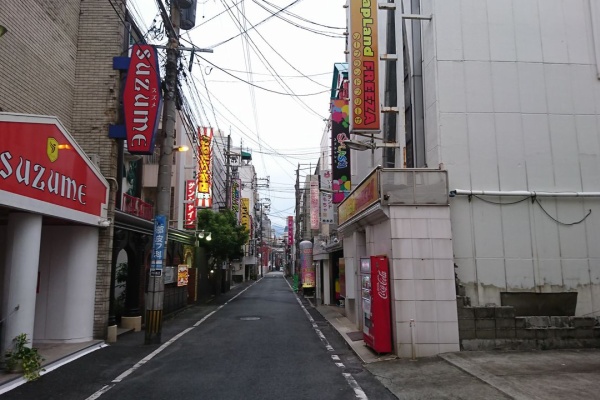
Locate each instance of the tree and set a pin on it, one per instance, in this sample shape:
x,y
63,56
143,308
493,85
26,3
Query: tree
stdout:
x,y
227,236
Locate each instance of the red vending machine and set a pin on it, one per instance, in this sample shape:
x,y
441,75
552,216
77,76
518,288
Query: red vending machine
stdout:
x,y
375,293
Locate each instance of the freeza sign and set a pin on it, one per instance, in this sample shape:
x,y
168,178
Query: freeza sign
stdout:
x,y
142,99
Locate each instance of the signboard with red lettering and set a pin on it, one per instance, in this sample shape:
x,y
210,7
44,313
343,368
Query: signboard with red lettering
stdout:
x,y
190,204
43,170
142,99
205,136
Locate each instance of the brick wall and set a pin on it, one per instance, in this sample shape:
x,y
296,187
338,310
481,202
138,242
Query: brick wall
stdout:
x,y
37,57
101,37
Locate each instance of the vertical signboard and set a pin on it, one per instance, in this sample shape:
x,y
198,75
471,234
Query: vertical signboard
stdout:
x,y
245,213
364,66
158,245
190,204
205,136
142,99
182,275
326,198
314,202
236,187
290,226
340,153
306,264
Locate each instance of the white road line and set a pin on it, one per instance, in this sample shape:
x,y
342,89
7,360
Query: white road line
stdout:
x,y
358,392
335,357
159,350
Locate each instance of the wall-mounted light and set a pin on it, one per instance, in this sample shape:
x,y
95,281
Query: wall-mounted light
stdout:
x,y
181,148
205,235
65,147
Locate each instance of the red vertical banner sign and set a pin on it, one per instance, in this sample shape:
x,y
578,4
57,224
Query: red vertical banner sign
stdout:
x,y
190,204
290,225
205,136
364,66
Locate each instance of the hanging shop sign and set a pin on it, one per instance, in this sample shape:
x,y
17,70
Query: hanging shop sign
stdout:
x,y
43,169
364,66
142,99
314,202
190,204
290,225
340,153
205,136
245,213
326,198
236,187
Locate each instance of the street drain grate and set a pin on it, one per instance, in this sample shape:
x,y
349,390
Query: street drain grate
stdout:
x,y
249,318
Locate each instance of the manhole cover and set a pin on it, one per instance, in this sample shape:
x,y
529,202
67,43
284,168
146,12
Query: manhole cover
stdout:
x,y
249,318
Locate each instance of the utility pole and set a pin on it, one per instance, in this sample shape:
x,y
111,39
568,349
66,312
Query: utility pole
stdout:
x,y
156,284
297,230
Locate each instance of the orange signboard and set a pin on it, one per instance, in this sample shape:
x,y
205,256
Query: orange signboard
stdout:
x,y
364,67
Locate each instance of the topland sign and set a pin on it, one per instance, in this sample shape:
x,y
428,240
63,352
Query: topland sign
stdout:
x,y
142,99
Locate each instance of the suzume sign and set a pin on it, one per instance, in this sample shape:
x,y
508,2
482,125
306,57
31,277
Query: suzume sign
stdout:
x,y
43,170
142,99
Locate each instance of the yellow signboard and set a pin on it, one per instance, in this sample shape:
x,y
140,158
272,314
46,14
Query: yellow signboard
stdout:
x,y
245,213
365,195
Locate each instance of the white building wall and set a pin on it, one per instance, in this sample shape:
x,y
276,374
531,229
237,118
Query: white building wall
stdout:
x,y
512,102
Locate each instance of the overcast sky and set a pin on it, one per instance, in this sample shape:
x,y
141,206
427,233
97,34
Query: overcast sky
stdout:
x,y
288,57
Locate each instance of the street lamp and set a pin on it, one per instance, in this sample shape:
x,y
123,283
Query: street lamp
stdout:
x,y
361,145
205,235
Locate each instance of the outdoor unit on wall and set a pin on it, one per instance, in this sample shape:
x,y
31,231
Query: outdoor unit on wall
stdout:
x,y
188,16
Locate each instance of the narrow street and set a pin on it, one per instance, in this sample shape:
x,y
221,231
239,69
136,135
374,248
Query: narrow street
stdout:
x,y
261,342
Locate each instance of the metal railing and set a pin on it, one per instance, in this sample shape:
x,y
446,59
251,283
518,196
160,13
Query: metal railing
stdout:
x,y
135,206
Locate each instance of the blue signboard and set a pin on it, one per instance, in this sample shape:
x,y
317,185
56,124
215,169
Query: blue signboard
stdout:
x,y
158,245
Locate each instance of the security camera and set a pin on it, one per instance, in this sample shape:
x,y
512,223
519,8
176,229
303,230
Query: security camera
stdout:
x,y
335,240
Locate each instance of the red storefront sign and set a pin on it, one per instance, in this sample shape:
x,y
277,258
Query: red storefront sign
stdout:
x,y
142,99
190,204
42,169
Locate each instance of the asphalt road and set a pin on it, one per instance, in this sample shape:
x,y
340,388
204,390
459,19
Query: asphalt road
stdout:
x,y
258,341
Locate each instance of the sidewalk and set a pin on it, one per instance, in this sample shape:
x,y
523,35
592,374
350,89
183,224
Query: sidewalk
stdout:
x,y
520,375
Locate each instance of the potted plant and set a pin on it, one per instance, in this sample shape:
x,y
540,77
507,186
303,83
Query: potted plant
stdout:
x,y
23,358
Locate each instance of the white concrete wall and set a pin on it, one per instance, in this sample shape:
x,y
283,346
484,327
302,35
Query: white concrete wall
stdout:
x,y
512,102
67,283
422,281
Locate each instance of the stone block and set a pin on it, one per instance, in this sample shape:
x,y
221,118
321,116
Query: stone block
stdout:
x,y
466,324
544,333
505,312
564,333
584,333
520,322
466,313
466,334
527,334
596,332
583,322
485,333
485,324
560,322
505,323
484,312
537,322
506,333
